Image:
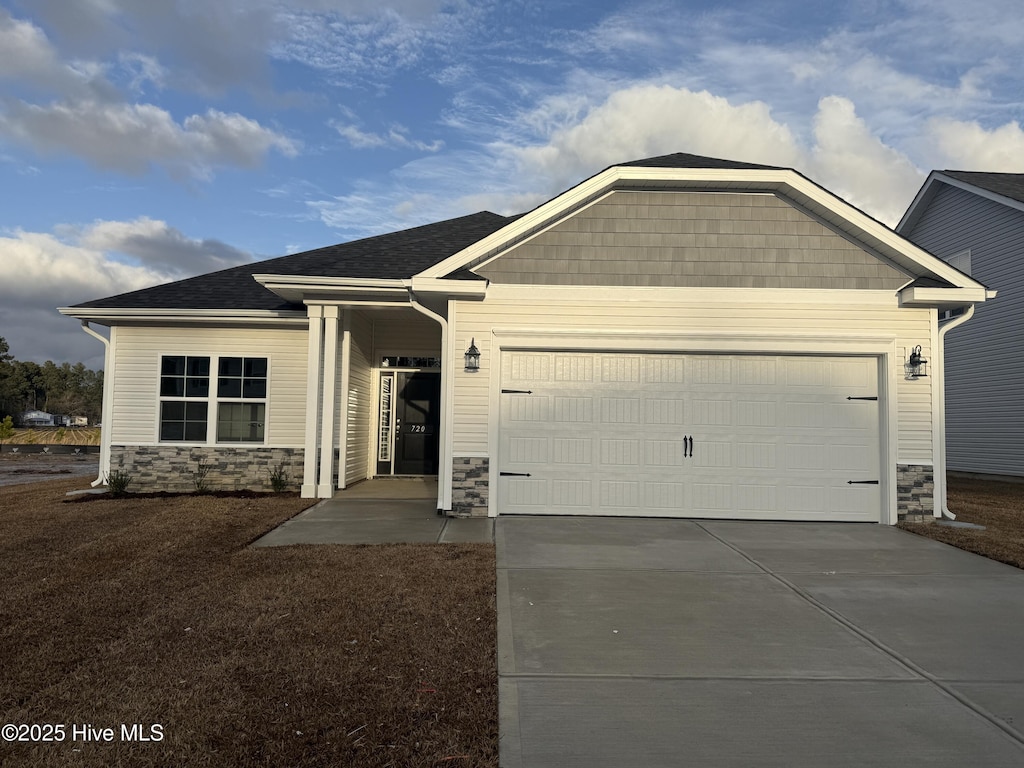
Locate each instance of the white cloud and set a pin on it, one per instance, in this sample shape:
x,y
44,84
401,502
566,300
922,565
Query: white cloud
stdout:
x,y
27,57
650,120
156,245
132,137
967,146
396,138
40,271
857,166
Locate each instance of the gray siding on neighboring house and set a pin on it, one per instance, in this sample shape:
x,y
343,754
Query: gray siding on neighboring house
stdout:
x,y
692,239
985,356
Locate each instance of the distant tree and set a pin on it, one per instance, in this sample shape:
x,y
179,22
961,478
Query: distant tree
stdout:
x,y
6,429
63,389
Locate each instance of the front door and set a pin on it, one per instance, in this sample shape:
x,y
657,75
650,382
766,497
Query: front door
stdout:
x,y
417,416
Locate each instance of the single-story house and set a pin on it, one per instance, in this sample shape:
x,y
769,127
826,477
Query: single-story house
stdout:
x,y
678,336
975,221
37,418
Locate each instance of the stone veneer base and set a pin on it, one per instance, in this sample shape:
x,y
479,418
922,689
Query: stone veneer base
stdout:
x,y
172,468
469,486
915,493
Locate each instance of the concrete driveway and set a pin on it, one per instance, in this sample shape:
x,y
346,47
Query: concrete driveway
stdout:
x,y
697,643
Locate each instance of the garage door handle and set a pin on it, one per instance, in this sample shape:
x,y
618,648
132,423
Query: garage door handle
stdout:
x,y
862,482
687,446
514,474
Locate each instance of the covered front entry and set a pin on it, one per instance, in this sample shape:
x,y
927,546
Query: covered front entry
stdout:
x,y
410,415
769,437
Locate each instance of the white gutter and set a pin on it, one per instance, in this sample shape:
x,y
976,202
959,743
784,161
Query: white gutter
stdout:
x,y
940,399
108,403
444,469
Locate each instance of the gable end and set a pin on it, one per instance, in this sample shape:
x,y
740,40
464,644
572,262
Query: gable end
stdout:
x,y
692,239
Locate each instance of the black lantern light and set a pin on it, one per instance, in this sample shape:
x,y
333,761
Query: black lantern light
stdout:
x,y
472,357
916,367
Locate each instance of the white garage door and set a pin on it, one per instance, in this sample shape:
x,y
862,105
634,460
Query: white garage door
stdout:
x,y
727,436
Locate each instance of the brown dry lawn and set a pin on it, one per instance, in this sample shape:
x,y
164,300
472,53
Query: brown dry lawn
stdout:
x,y
54,436
998,506
154,611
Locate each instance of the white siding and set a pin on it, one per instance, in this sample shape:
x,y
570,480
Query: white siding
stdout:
x,y
984,357
360,393
137,376
689,311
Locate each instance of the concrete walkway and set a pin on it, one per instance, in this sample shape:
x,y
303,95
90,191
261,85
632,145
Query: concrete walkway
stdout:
x,y
684,643
380,511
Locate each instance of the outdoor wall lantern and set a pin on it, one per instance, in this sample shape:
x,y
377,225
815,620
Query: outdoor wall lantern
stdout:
x,y
915,367
472,357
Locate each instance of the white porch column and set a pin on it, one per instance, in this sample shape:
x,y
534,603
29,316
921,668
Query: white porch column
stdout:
x,y
325,487
316,328
346,363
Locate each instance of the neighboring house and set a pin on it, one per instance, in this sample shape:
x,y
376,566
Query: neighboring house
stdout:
x,y
679,336
79,421
37,419
975,221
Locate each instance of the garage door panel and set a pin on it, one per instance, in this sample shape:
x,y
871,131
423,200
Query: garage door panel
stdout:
x,y
658,410
620,410
620,453
774,437
573,410
665,496
572,450
664,369
620,369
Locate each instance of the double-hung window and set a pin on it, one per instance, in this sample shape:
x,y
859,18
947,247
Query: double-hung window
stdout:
x,y
228,394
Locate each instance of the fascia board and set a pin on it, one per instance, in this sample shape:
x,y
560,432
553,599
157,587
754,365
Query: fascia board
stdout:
x,y
921,199
106,316
463,289
874,233
979,191
786,182
943,297
299,288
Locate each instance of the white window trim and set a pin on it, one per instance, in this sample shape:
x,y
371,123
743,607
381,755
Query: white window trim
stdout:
x,y
212,401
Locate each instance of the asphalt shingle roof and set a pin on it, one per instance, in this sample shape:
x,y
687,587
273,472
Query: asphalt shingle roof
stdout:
x,y
1009,185
684,160
396,255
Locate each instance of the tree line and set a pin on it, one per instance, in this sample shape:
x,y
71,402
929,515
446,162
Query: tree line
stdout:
x,y
65,389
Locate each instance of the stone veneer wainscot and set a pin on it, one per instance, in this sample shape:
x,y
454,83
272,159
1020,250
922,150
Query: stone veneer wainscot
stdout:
x,y
915,493
172,467
469,486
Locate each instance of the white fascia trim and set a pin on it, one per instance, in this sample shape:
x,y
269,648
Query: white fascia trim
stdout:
x,y
979,191
591,294
297,288
789,183
943,297
461,289
254,316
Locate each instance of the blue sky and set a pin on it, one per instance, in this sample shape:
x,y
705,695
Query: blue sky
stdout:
x,y
148,140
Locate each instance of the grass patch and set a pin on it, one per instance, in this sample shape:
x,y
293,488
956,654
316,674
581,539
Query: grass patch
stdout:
x,y
999,506
152,610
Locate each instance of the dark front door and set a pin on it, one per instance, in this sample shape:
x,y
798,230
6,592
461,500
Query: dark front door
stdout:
x,y
416,423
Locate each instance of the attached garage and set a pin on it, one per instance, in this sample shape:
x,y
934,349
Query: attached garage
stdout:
x,y
781,437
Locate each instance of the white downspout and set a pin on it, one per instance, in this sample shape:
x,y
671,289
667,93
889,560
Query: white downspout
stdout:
x,y
444,469
940,445
108,403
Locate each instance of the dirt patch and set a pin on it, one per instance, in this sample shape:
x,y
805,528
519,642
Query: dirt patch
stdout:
x,y
999,506
17,468
152,611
